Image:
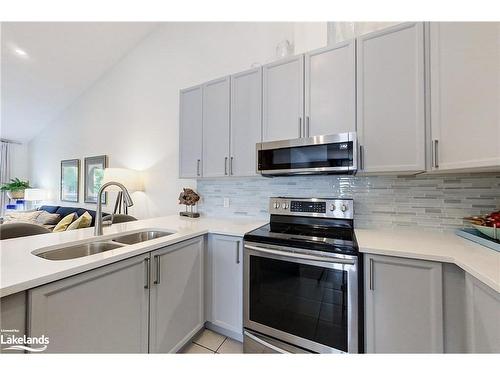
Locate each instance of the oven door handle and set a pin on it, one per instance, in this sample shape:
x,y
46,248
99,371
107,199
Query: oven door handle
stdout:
x,y
265,343
300,256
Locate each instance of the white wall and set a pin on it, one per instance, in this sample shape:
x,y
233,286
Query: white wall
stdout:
x,y
19,161
309,36
131,113
340,31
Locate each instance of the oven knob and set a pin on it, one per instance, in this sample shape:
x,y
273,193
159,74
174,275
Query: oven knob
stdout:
x,y
343,208
332,207
285,206
277,205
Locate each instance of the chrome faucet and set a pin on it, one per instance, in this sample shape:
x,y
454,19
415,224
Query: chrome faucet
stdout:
x,y
98,214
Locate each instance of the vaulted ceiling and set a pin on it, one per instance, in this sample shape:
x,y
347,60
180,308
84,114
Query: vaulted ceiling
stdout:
x,y
45,66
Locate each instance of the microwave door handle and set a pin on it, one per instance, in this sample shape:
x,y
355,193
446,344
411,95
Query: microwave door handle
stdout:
x,y
300,256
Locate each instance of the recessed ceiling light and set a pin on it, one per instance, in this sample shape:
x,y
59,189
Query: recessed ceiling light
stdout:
x,y
20,52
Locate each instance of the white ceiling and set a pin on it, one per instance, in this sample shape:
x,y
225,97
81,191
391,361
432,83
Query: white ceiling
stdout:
x,y
63,59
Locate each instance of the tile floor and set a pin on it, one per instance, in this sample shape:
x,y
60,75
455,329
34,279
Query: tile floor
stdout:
x,y
209,342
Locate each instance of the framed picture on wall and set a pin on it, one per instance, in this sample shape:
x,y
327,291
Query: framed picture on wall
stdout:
x,y
70,180
92,178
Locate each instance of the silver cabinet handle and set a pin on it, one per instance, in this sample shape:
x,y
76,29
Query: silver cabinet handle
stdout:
x,y
300,127
237,252
225,166
435,153
371,275
361,157
157,264
146,263
198,167
231,165
308,134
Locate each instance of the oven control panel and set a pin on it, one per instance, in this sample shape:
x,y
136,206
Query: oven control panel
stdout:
x,y
341,208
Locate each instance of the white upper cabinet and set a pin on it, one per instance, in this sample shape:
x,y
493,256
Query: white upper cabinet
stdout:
x,y
190,132
283,99
246,121
465,95
330,90
390,100
216,127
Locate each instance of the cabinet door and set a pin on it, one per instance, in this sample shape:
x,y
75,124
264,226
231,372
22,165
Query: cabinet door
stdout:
x,y
404,305
190,132
283,99
246,121
12,318
482,317
391,121
330,76
465,94
216,128
226,284
176,304
100,311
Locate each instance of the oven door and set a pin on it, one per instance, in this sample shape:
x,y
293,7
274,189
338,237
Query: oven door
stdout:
x,y
301,298
323,154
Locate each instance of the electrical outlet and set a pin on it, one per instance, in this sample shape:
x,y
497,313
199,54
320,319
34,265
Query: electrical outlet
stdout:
x,y
226,202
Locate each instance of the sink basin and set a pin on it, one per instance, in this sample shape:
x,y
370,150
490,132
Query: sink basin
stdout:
x,y
79,251
130,239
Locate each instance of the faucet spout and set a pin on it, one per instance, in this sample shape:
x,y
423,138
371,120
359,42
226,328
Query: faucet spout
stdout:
x,y
98,213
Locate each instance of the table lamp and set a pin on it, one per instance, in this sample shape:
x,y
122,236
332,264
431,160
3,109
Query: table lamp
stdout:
x,y
130,178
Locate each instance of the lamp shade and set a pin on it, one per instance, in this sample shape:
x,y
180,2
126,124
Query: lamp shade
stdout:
x,y
35,194
130,178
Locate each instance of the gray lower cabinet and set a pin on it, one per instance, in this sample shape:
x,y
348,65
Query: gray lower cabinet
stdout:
x,y
404,305
177,300
225,285
13,318
100,311
482,317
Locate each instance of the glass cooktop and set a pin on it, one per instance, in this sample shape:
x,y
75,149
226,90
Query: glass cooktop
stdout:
x,y
317,234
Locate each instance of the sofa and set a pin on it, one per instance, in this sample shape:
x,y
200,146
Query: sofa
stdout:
x,y
63,211
22,228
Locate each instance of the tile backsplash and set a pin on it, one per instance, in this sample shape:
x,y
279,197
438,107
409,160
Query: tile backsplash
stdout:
x,y
424,201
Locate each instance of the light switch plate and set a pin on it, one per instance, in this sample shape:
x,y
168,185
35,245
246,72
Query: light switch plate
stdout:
x,y
226,202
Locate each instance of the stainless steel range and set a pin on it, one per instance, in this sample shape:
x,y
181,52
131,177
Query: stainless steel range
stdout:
x,y
303,279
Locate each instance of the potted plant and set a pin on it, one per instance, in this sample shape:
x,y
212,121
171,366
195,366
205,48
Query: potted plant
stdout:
x,y
15,188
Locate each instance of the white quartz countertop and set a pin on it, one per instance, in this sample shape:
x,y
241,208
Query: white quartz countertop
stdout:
x,y
479,261
21,270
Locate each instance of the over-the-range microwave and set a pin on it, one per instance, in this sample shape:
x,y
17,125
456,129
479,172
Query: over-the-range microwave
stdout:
x,y
323,154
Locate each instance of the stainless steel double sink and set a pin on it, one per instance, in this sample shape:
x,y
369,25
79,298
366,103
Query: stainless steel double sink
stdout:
x,y
99,246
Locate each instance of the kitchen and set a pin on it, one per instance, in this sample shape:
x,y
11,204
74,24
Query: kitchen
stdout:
x,y
334,184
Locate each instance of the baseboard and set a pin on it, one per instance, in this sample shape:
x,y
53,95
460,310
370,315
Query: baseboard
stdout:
x,y
187,340
223,331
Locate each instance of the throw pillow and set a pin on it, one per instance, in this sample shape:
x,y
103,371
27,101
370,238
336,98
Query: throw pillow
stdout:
x,y
82,222
64,223
46,218
21,217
